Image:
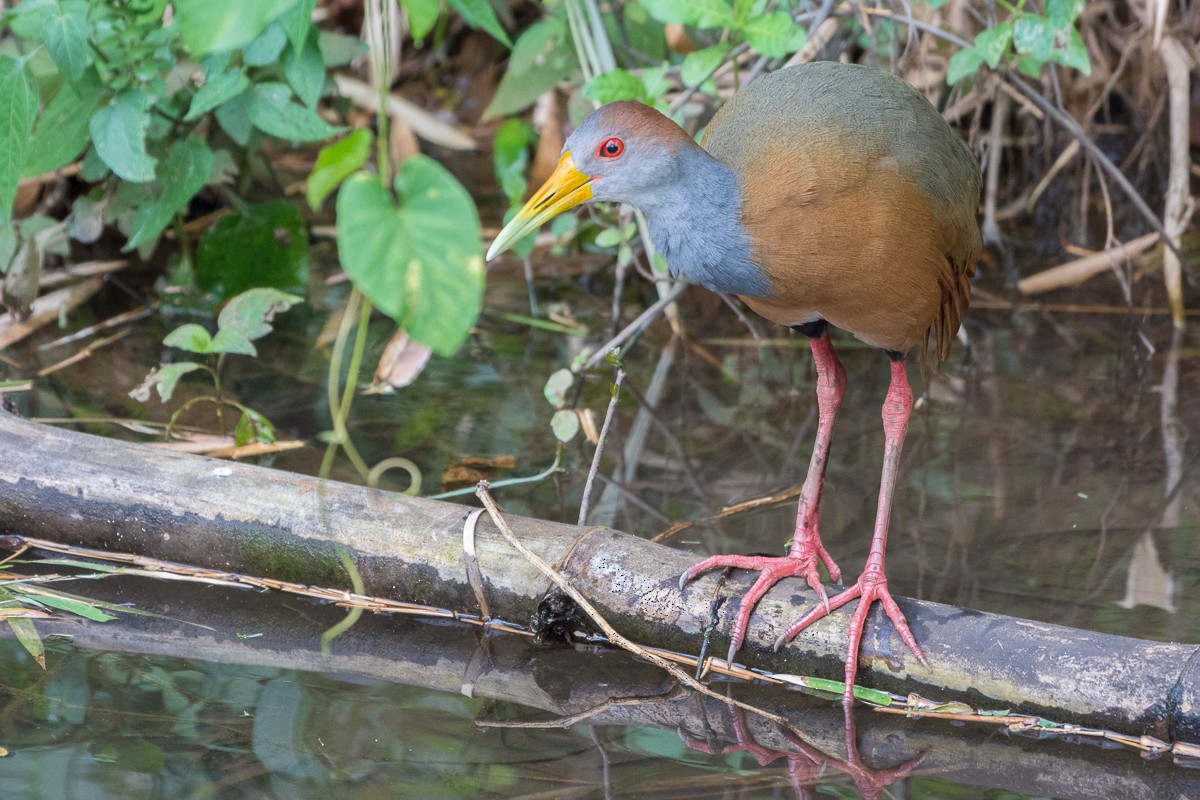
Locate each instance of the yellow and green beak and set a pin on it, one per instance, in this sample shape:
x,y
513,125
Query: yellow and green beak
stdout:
x,y
566,188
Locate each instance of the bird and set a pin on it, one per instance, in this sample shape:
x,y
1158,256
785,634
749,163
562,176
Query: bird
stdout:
x,y
823,195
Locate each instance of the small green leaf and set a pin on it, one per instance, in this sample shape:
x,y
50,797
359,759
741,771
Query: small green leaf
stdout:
x,y
234,117
1062,13
19,99
190,337
72,605
216,90
1075,54
119,135
697,13
231,340
699,65
61,131
336,162
253,427
305,71
422,14
183,173
480,14
419,262
542,56
251,312
297,21
66,35
207,26
1034,36
565,424
963,63
557,386
775,35
616,84
510,157
164,379
274,113
992,44
609,237
266,47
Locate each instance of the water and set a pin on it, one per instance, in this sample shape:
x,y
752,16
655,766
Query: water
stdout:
x,y
1046,475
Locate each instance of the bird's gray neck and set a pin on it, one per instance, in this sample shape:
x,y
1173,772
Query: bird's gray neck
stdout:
x,y
695,223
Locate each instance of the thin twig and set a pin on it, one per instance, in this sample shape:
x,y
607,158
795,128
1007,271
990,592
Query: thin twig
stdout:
x,y
609,631
608,415
642,321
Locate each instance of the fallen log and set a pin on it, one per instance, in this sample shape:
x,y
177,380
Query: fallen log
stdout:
x,y
616,690
88,491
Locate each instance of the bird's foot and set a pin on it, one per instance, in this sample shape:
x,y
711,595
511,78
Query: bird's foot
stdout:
x,y
871,586
800,562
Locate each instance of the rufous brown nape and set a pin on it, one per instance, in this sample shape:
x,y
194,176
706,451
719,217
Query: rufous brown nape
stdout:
x,y
821,194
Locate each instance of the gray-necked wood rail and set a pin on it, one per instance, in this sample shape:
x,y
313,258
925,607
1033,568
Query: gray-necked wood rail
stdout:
x,y
820,194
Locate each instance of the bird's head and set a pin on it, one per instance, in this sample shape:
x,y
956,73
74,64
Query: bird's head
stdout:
x,y
623,151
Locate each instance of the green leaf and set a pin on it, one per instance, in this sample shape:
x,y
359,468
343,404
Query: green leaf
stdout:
x,y
251,312
335,163
253,427
206,26
191,337
422,14
565,424
165,378
557,386
775,35
297,21
305,70
480,14
1075,54
234,117
119,135
963,63
697,13
231,340
61,131
1062,13
1034,36
616,84
19,99
274,113
183,173
699,65
265,245
338,49
216,90
992,44
542,56
419,262
28,636
66,35
266,47
1030,66
78,607
510,157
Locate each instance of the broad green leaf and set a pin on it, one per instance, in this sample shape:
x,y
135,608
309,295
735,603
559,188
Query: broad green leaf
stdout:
x,y
480,14
182,174
164,379
1062,13
616,84
216,90
1075,54
697,13
775,35
422,14
963,63
266,47
557,386
305,71
1030,66
61,131
992,44
565,424
251,312
191,337
1034,36
66,35
234,117
335,163
28,636
699,65
542,56
297,21
265,245
231,340
119,135
419,262
19,99
78,607
207,26
275,113
253,427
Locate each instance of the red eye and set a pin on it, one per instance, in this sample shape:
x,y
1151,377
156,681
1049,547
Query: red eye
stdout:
x,y
610,148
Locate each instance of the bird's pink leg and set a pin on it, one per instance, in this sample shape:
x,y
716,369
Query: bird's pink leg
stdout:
x,y
872,585
806,546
